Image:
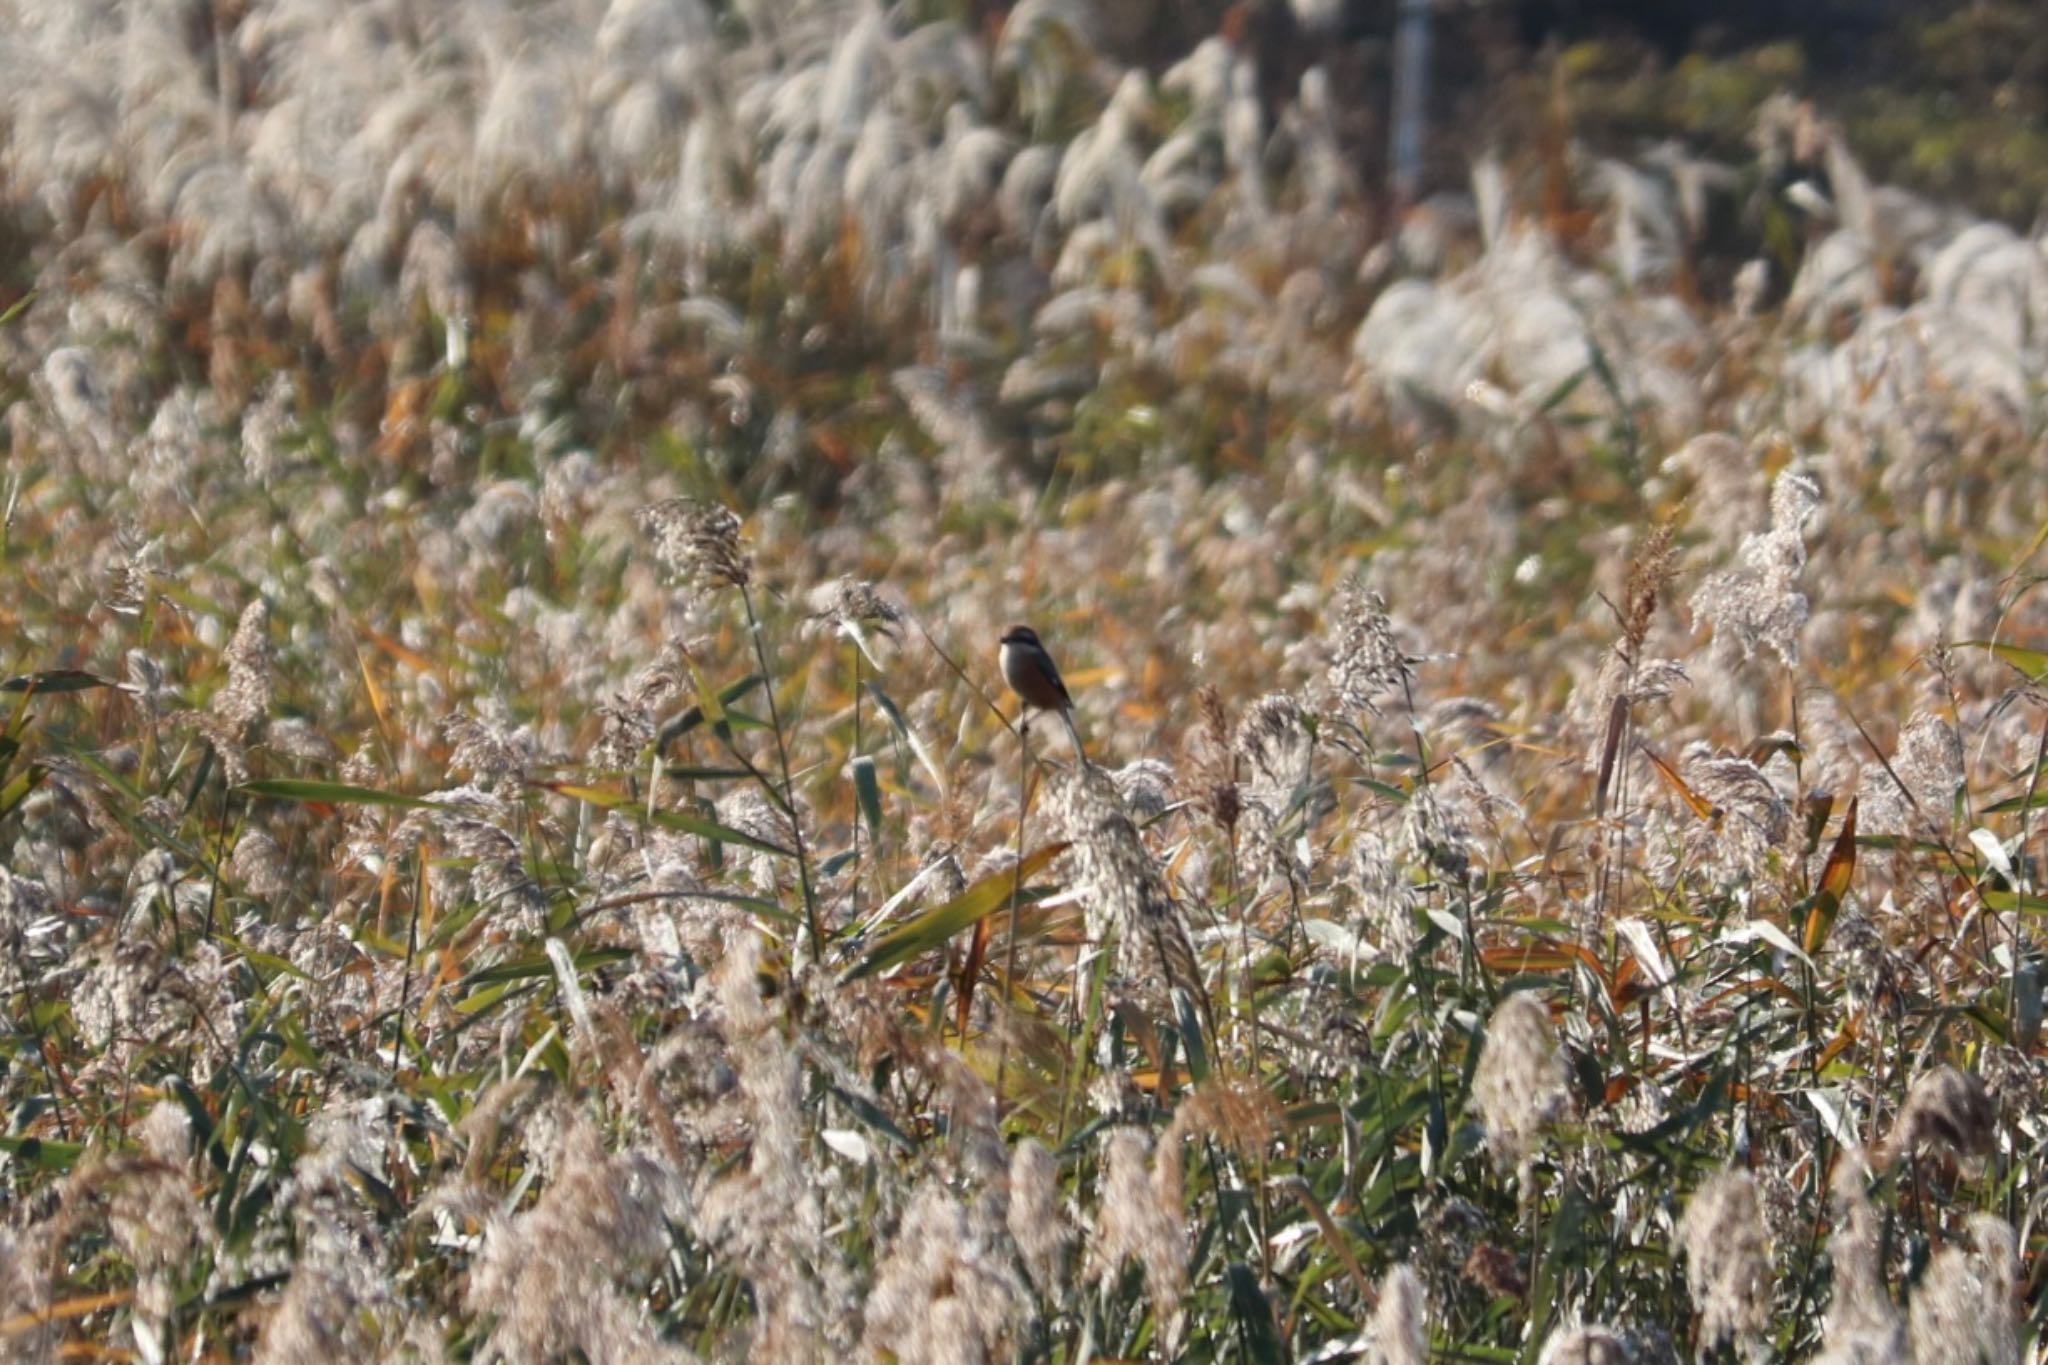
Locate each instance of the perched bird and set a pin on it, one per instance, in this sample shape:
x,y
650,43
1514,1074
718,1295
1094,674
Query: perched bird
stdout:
x,y
1035,678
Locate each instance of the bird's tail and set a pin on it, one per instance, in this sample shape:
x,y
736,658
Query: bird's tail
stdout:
x,y
1074,734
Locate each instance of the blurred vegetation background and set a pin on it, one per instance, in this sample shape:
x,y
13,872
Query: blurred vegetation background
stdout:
x,y
1947,97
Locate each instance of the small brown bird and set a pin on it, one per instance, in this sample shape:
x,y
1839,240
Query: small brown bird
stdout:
x,y
1035,678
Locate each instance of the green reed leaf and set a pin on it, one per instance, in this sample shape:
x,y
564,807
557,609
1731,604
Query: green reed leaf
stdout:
x,y
932,928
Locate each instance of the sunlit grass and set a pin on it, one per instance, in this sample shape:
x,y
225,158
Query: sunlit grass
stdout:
x,y
516,847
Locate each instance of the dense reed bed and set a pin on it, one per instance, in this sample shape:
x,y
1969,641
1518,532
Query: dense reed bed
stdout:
x,y
513,846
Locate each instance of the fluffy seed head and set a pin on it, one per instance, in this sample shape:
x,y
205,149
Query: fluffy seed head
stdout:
x,y
849,601
1754,819
1962,1309
698,541
1520,1086
1947,1110
1861,1325
1118,881
1137,1221
1917,793
1728,1260
1758,604
1276,746
1587,1345
942,1293
1366,662
250,690
1400,1325
1648,573
1037,1214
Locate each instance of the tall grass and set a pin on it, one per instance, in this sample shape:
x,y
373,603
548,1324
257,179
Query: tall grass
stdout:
x,y
488,873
